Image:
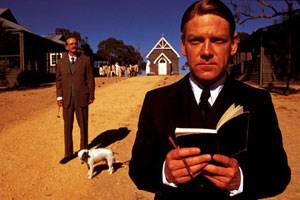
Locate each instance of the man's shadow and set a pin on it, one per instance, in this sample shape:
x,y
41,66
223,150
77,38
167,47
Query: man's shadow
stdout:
x,y
108,137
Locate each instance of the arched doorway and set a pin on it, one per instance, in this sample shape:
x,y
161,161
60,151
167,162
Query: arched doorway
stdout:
x,y
162,67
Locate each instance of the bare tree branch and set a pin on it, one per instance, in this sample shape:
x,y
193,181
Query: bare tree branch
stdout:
x,y
267,10
237,10
252,17
263,3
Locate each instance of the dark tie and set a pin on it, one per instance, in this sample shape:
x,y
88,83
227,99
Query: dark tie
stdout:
x,y
72,60
204,104
72,65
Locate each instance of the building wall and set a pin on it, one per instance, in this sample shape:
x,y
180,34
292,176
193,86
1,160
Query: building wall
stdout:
x,y
171,56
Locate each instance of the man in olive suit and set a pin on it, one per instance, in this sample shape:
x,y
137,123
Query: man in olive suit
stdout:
x,y
75,88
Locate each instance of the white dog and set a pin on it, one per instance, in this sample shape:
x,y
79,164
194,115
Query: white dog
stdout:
x,y
93,156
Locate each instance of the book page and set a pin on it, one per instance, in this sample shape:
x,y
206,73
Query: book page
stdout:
x,y
232,112
188,131
205,139
229,138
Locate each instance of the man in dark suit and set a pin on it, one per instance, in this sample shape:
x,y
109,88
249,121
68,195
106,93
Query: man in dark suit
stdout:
x,y
75,87
208,40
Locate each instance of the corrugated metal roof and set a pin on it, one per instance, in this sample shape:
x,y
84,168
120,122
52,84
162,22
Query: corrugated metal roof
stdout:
x,y
12,26
55,38
5,19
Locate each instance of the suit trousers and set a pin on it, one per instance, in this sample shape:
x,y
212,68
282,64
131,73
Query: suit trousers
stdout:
x,y
82,120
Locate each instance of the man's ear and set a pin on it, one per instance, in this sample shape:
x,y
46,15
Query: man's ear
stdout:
x,y
234,44
182,44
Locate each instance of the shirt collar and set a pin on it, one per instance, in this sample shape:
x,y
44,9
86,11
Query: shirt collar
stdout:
x,y
70,58
215,89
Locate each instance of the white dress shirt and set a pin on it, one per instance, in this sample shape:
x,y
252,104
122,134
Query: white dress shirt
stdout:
x,y
70,58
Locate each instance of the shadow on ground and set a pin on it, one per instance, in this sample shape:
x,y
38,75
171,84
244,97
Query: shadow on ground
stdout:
x,y
101,167
24,88
109,137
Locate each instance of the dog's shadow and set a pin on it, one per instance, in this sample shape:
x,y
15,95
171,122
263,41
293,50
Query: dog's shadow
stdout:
x,y
101,167
108,137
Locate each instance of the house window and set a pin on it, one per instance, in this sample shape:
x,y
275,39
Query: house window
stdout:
x,y
54,57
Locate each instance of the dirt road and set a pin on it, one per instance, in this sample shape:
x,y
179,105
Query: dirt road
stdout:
x,y
31,138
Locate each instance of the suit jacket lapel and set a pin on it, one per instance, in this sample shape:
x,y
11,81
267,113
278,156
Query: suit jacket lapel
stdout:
x,y
77,63
66,63
185,105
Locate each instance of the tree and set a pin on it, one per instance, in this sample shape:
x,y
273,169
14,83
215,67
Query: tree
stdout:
x,y
114,50
243,36
62,31
269,9
246,10
83,42
85,47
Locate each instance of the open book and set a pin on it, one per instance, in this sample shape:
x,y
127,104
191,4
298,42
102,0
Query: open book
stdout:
x,y
230,137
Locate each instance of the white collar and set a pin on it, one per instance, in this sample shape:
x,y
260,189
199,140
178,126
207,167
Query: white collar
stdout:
x,y
70,58
215,89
